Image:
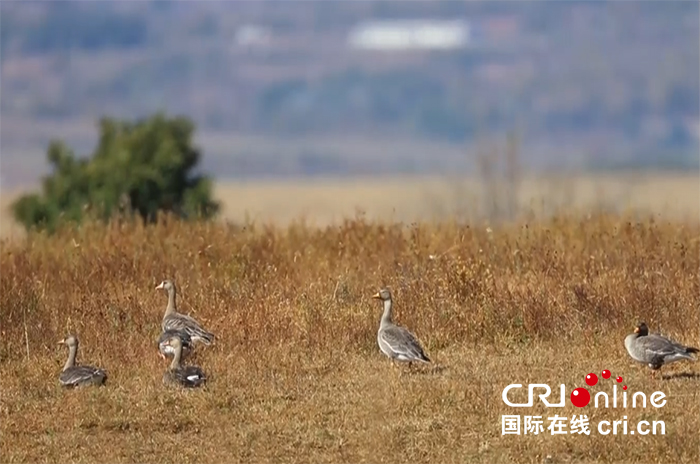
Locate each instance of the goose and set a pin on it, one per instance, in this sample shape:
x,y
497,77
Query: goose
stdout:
x,y
172,320
77,376
185,376
166,350
395,341
655,350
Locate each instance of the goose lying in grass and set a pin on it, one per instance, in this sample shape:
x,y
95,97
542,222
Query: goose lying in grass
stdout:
x,y
655,350
78,376
395,341
184,376
172,320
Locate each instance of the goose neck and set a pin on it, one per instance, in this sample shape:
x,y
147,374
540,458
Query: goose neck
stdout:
x,y
386,316
176,358
172,305
72,352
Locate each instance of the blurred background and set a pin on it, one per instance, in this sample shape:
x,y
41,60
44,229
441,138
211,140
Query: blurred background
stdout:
x,y
404,110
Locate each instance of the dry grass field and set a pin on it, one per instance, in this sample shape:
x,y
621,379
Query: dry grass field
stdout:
x,y
326,201
295,372
416,198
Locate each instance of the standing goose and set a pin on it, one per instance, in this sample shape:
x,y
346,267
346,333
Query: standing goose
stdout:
x,y
172,320
655,350
77,376
395,341
166,350
186,376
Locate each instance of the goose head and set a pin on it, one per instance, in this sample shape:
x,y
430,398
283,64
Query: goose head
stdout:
x,y
175,342
166,285
384,294
70,341
641,329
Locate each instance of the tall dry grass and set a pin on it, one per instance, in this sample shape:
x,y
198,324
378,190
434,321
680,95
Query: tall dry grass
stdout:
x,y
296,375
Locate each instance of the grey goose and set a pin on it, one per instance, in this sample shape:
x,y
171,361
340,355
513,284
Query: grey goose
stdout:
x,y
73,375
655,350
173,320
178,375
395,341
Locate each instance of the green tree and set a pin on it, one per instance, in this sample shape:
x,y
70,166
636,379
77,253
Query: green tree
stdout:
x,y
145,165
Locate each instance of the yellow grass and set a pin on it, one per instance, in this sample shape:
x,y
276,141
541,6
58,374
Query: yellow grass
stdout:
x,y
295,372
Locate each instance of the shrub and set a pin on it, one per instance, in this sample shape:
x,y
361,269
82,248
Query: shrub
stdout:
x,y
141,167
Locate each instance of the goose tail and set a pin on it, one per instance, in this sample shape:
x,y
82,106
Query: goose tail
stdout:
x,y
207,337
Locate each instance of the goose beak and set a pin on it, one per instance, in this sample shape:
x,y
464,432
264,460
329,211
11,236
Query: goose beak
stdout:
x,y
159,286
636,330
376,296
61,342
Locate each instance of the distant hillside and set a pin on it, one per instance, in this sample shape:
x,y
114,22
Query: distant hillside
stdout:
x,y
586,84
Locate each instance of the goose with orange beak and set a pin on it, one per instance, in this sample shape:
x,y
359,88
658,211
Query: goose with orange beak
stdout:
x,y
73,375
173,320
655,350
395,341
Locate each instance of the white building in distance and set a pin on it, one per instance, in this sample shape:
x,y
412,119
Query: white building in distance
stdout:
x,y
410,35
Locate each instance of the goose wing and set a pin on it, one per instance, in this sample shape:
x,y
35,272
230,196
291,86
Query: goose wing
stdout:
x,y
190,376
187,324
403,343
181,334
659,348
80,375
679,347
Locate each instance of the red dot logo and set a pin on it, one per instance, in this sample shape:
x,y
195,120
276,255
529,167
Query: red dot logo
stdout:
x,y
580,397
606,374
619,380
591,379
